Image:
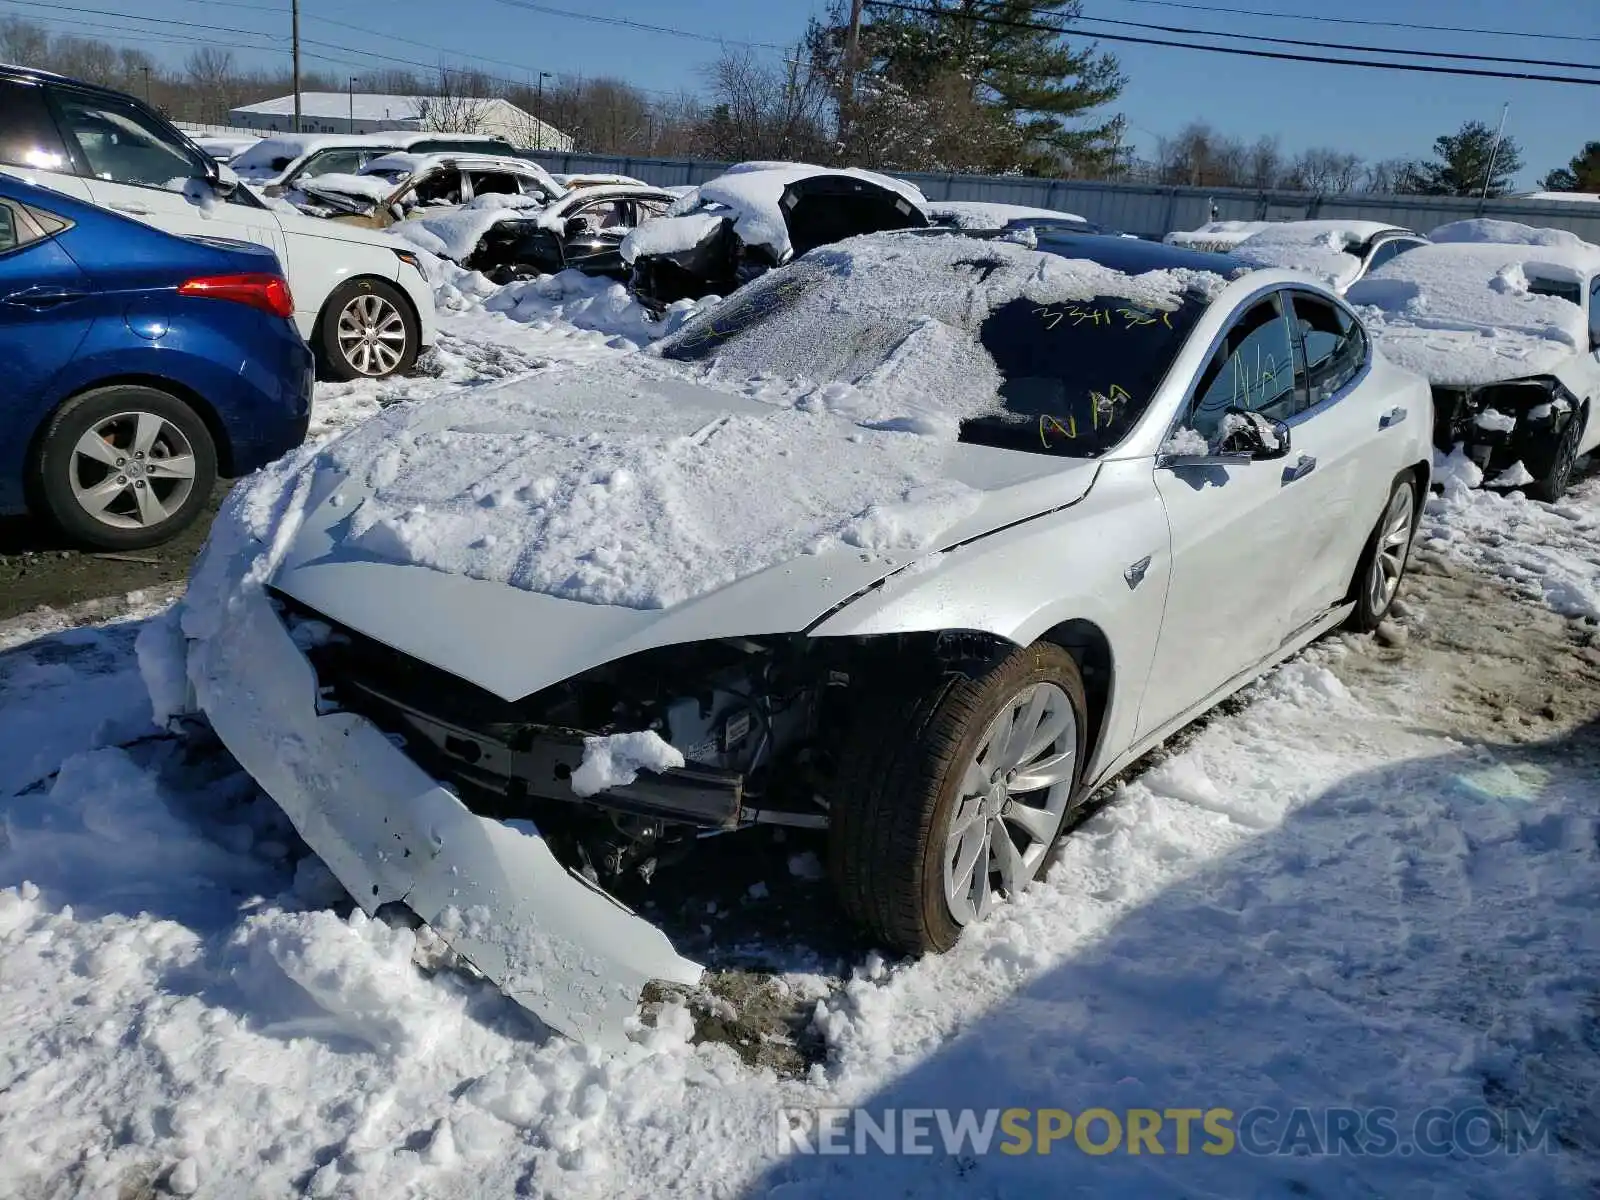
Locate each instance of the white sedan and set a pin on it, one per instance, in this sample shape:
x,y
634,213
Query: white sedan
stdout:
x,y
918,540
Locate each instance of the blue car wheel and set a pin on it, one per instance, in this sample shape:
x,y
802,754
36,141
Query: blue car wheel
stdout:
x,y
124,467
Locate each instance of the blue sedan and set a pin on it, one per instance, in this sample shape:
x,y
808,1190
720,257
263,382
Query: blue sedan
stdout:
x,y
138,366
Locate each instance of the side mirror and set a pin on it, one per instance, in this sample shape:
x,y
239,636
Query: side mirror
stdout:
x,y
1250,433
224,182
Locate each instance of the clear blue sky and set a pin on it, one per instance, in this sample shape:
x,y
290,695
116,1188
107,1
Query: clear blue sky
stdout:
x,y
1377,114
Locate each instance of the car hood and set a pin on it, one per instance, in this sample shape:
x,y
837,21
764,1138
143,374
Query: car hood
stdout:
x,y
530,532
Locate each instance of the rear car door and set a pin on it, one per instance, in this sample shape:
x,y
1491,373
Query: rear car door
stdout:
x,y
593,233
46,308
1238,542
1347,446
132,163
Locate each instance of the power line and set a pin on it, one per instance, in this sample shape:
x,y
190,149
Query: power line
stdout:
x,y
1251,12
1282,56
1282,41
599,19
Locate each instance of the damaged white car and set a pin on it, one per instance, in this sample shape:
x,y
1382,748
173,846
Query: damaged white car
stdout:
x,y
1504,320
917,540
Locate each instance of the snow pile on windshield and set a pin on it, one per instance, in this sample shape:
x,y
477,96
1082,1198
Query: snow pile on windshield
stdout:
x,y
1310,246
897,317
1467,313
973,214
670,235
454,233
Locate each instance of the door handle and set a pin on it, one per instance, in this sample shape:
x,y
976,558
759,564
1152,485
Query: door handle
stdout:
x,y
137,210
1393,417
1300,470
42,297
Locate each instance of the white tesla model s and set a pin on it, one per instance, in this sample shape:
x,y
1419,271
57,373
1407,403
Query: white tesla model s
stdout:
x,y
917,540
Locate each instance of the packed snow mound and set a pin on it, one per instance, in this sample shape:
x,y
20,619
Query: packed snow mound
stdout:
x,y
617,759
589,302
1464,313
1216,235
974,214
670,235
1513,233
1324,253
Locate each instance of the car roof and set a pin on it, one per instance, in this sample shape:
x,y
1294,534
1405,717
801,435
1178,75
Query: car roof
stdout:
x,y
11,70
1134,256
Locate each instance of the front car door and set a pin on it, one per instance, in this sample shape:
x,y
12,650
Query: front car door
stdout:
x,y
132,162
1237,536
592,236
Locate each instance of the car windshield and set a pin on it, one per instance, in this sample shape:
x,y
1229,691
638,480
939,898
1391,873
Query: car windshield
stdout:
x,y
1074,375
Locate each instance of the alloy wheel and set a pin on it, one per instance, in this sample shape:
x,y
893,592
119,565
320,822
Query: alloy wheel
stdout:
x,y
132,470
372,335
1394,544
1014,794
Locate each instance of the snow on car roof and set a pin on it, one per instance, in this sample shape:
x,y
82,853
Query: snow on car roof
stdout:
x,y
615,484
454,233
415,164
1513,233
1319,248
585,179
274,156
975,214
1231,233
1463,313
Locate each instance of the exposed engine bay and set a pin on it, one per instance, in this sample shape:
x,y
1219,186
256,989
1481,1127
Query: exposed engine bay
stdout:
x,y
1500,424
751,717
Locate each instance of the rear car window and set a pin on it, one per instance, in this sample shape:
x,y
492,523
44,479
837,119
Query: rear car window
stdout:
x,y
28,135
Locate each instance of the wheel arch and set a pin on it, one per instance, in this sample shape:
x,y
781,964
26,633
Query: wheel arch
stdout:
x,y
324,313
1091,650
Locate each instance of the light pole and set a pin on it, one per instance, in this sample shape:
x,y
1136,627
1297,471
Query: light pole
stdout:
x,y
294,9
147,85
538,117
352,94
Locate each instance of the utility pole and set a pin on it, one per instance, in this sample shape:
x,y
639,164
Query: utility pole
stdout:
x,y
1494,153
294,8
147,85
847,86
352,93
538,117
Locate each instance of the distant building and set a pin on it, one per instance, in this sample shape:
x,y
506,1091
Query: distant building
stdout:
x,y
364,112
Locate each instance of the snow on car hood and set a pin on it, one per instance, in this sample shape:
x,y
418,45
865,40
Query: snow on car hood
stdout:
x,y
1463,314
1515,233
975,214
456,232
612,510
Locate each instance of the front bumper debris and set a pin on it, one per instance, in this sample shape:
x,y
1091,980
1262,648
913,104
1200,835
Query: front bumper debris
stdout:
x,y
557,945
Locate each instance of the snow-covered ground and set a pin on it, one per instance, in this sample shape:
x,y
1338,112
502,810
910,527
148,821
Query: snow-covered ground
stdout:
x,y
1368,883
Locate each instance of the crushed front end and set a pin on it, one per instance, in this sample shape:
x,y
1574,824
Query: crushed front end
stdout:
x,y
546,934
1498,425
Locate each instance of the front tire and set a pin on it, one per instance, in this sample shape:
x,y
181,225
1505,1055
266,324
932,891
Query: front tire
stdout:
x,y
367,331
124,467
1383,562
1552,468
953,792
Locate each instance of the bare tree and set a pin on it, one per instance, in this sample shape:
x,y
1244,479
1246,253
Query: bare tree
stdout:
x,y
766,110
24,43
458,103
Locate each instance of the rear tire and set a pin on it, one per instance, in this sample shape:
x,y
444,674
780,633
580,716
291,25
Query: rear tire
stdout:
x,y
124,467
367,331
909,807
1383,563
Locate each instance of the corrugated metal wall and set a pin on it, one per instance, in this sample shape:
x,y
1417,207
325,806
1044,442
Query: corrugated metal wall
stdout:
x,y
1149,210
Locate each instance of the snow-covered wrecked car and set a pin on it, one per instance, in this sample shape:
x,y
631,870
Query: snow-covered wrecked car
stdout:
x,y
1504,320
1336,252
278,162
757,216
917,540
402,186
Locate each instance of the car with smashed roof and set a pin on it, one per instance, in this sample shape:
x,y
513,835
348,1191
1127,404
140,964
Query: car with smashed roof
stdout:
x,y
757,216
916,542
1504,321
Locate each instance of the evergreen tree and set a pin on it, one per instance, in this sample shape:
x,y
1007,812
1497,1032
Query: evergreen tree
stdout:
x,y
1582,174
1462,162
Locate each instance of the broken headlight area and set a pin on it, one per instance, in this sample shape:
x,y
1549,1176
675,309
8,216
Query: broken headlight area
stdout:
x,y
749,716
1500,424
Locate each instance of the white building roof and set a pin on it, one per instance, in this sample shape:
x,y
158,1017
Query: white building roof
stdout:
x,y
499,116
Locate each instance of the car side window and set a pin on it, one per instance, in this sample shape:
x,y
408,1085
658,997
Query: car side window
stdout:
x,y
330,162
651,208
1334,348
124,145
1384,253
603,214
11,231
1252,369
493,183
28,135
442,187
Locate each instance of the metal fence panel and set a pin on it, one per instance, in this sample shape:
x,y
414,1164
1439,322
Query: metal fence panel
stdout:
x,y
1147,209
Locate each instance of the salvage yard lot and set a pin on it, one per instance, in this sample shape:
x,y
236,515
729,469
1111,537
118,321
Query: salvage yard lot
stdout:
x,y
1368,881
